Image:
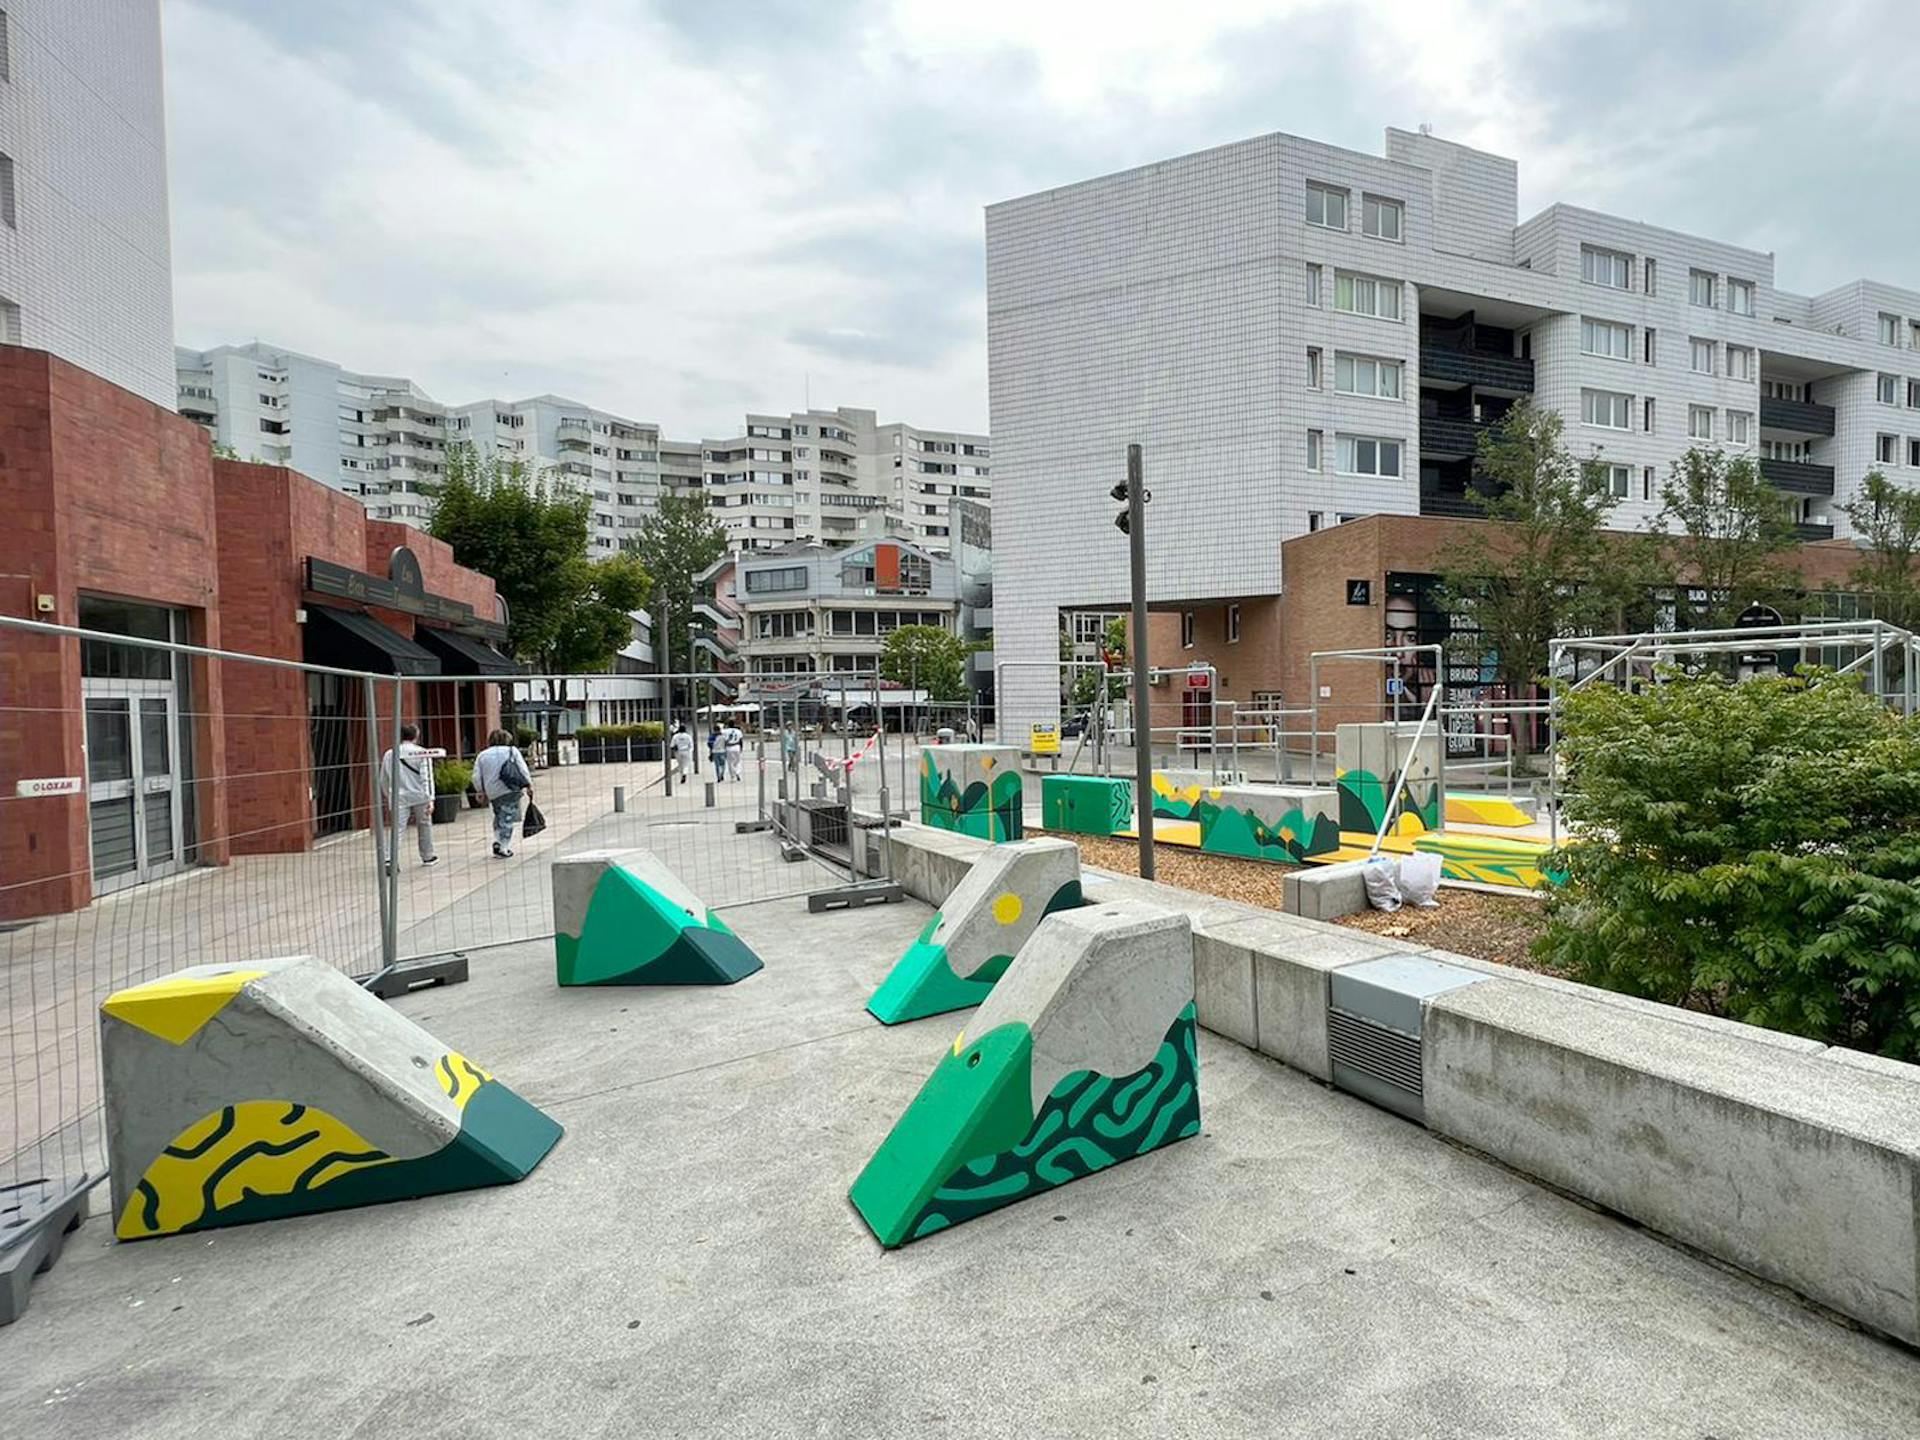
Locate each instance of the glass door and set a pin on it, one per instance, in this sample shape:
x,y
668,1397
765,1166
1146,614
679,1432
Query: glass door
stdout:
x,y
132,781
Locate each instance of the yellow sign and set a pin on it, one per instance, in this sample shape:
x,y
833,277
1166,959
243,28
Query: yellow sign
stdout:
x,y
1043,739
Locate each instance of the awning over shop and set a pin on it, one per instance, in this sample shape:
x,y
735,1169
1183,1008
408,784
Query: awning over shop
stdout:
x,y
464,654
353,641
863,699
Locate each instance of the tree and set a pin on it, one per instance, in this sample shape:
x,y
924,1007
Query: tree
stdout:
x,y
1886,517
676,543
1754,853
565,613
929,657
1540,569
1725,534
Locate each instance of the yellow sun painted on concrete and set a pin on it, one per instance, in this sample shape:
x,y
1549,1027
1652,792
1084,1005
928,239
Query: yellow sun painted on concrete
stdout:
x,y
1006,908
986,762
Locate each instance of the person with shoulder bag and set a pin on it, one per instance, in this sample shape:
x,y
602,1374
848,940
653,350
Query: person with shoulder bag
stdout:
x,y
500,774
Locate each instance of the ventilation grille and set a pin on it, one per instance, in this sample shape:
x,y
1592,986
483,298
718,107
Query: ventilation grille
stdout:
x,y
1375,1050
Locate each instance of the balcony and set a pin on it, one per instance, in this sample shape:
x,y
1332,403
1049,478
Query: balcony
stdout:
x,y
1448,437
1450,503
1798,477
1444,365
1807,530
1802,417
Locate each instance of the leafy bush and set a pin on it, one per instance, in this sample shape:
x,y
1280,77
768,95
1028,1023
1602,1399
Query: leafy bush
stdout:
x,y
593,734
1750,850
525,736
452,777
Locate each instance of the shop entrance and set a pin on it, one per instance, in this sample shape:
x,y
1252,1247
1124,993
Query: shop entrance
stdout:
x,y
136,771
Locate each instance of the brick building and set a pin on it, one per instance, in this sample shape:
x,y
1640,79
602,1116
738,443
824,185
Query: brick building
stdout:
x,y
121,521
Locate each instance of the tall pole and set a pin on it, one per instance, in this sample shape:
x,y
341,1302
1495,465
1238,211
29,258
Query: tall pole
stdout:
x,y
1142,728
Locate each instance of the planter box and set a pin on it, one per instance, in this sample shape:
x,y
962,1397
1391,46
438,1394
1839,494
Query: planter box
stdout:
x,y
446,809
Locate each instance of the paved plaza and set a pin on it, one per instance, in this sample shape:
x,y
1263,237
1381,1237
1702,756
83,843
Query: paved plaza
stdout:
x,y
686,1263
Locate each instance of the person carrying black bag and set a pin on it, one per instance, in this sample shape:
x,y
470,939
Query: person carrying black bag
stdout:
x,y
500,774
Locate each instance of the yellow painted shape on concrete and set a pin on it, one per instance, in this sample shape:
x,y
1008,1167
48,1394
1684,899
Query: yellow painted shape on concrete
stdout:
x,y
1171,832
1410,824
1486,810
176,1007
1006,908
258,1147
459,1077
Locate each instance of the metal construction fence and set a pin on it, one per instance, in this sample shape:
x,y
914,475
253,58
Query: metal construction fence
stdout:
x,y
165,805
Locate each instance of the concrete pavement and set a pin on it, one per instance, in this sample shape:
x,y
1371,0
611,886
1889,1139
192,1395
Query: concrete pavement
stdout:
x,y
685,1263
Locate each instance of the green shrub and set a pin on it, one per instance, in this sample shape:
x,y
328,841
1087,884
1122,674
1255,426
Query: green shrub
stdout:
x,y
452,777
1750,850
593,734
525,736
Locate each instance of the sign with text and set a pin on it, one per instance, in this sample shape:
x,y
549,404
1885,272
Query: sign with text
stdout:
x,y
1043,739
1359,592
54,785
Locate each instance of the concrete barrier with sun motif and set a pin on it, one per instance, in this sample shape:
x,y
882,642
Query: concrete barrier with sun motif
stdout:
x,y
264,1089
974,936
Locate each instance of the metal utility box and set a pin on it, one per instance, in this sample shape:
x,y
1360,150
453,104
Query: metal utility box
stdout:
x,y
1373,1027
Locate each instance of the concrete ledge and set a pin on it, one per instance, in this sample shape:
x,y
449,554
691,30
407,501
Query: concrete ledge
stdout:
x,y
1325,892
1800,1167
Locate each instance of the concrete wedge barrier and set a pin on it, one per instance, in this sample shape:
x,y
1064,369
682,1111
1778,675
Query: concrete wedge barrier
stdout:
x,y
621,917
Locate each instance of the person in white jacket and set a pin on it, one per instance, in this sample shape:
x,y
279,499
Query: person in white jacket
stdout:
x,y
731,743
406,786
682,746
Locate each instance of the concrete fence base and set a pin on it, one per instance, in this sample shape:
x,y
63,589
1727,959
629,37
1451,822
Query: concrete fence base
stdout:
x,y
1793,1160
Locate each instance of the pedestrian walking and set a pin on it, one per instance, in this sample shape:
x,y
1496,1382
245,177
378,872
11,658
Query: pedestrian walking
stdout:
x,y
732,742
716,751
500,774
683,751
406,788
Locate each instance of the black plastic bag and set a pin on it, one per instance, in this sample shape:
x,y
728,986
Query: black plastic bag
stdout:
x,y
535,821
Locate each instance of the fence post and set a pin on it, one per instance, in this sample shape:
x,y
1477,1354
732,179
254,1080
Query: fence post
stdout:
x,y
390,937
371,703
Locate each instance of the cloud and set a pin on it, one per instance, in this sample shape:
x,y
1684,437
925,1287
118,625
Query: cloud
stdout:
x,y
682,210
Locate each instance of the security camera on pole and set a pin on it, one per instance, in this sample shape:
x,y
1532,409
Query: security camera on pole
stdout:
x,y
1132,523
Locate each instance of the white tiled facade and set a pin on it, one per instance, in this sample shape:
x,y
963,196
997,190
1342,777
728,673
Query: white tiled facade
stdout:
x,y
85,258
1188,305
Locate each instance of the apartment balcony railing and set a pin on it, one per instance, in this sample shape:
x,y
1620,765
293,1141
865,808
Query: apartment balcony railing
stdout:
x,y
1807,530
1802,417
1442,364
1449,503
1798,477
1447,438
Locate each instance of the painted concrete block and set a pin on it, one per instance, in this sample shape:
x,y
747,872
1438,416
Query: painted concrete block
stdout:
x,y
259,1090
1086,804
1082,1057
1367,760
975,789
1282,823
1796,1167
1177,794
974,936
621,917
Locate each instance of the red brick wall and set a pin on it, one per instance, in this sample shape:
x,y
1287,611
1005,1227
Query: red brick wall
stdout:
x,y
106,493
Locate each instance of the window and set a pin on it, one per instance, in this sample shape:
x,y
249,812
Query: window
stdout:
x,y
1314,438
1366,295
1315,519
1699,422
1650,348
1646,483
1313,367
1889,329
1313,286
1362,375
1739,363
1233,624
1369,455
1889,390
1646,415
1614,479
1702,352
1326,206
1700,289
761,582
1605,409
1913,394
1913,452
1739,427
1606,338
1606,267
1381,218
1186,629
6,62
1648,284
9,323
6,192
1740,296
1886,449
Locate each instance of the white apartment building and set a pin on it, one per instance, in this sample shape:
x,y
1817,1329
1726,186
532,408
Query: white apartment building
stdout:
x,y
814,609
837,477
612,460
1299,334
85,259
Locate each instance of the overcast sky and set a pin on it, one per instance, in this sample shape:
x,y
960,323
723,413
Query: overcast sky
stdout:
x,y
681,210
